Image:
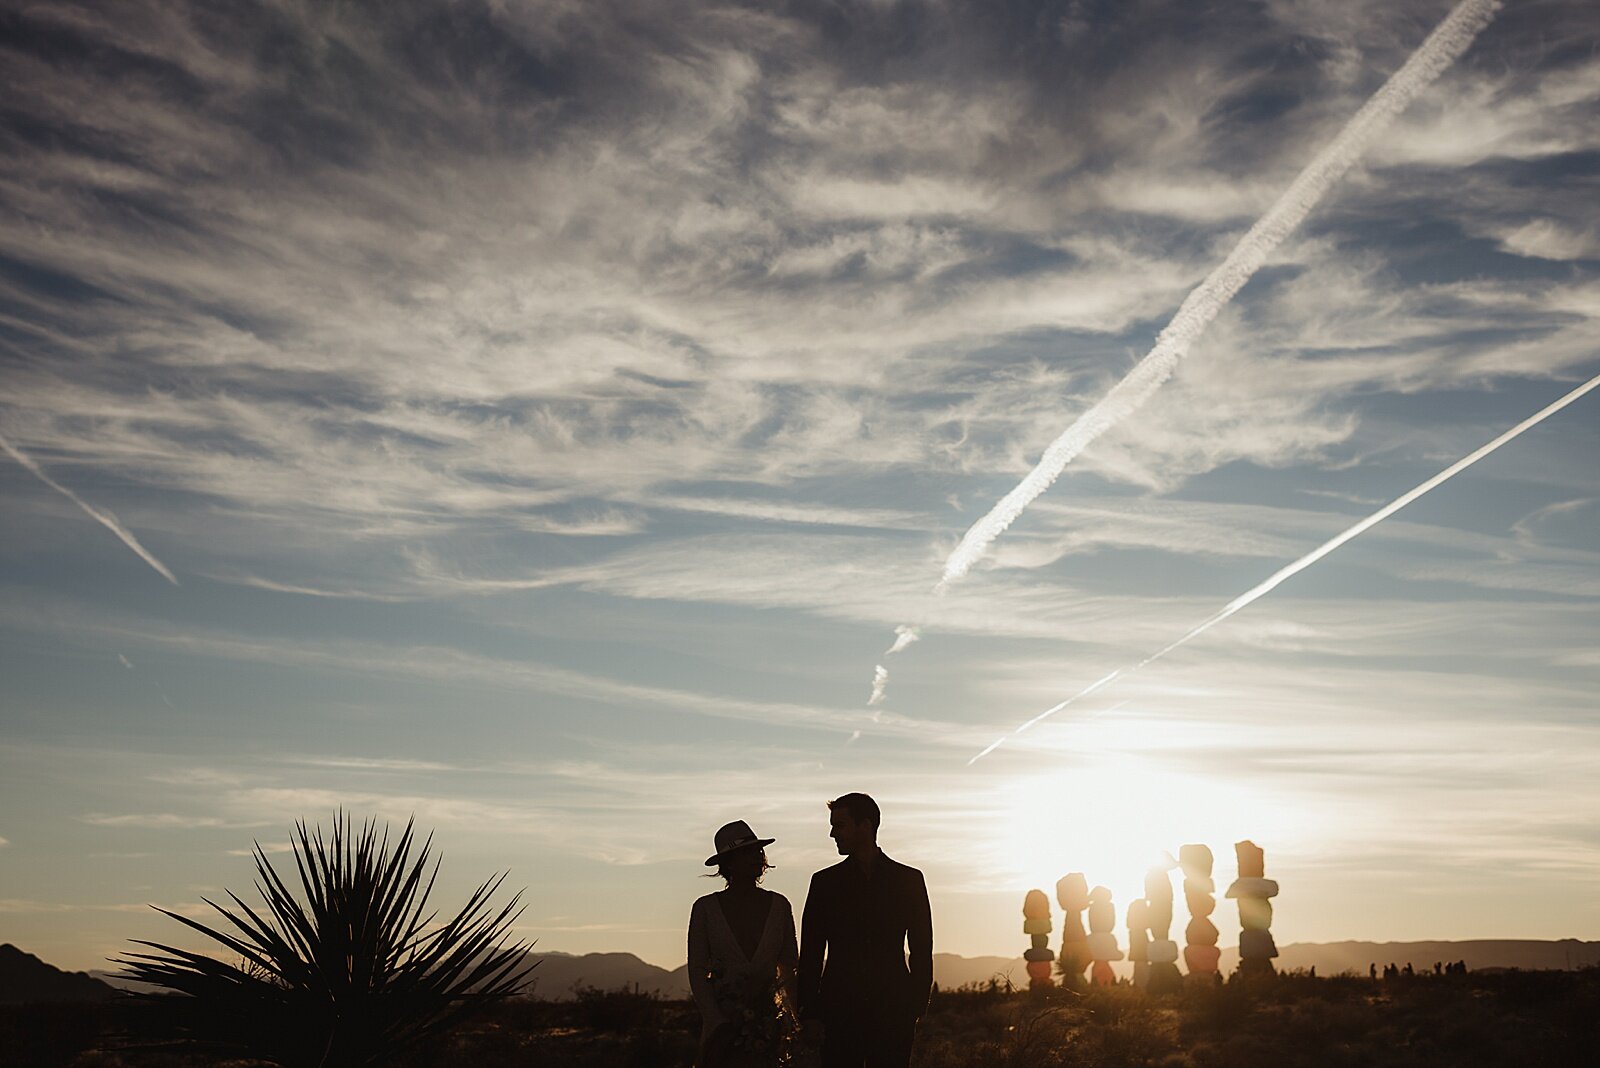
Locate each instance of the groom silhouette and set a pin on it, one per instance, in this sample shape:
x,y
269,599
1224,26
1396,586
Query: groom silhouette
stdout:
x,y
860,917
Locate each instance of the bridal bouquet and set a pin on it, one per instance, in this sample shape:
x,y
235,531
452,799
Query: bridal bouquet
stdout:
x,y
759,1015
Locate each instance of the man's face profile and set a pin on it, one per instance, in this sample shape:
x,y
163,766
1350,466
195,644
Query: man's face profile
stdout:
x,y
846,833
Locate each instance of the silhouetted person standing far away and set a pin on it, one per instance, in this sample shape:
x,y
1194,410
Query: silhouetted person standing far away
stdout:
x,y
742,959
860,918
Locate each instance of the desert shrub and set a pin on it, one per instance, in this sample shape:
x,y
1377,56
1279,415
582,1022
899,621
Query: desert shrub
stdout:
x,y
355,975
616,1011
1214,1010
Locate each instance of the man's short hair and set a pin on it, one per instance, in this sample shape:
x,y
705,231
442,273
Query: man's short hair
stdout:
x,y
862,808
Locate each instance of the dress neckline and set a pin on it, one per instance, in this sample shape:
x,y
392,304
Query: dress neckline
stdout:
x,y
733,936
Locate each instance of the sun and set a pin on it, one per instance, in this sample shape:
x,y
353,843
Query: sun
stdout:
x,y
1114,816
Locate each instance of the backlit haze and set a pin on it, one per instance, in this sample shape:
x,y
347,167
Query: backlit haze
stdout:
x,y
546,412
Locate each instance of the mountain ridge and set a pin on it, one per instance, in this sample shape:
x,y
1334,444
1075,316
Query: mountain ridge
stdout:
x,y
559,976
27,980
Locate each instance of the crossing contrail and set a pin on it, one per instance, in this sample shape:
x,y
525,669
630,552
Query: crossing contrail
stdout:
x,y
104,518
1443,46
1277,579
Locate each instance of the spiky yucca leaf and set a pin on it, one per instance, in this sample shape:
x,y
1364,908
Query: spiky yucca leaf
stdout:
x,y
352,975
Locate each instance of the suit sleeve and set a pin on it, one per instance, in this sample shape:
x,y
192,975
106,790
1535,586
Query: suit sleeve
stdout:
x,y
919,941
813,939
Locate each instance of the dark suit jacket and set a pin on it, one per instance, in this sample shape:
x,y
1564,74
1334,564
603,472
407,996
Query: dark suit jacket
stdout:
x,y
863,926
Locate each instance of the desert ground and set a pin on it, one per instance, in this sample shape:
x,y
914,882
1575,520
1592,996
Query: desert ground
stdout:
x,y
1485,1018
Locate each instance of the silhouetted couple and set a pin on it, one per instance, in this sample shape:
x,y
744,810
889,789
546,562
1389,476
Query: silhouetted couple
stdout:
x,y
850,978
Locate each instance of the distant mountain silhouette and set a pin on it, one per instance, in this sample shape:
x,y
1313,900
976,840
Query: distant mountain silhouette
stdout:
x,y
117,982
1331,958
560,974
25,979
951,971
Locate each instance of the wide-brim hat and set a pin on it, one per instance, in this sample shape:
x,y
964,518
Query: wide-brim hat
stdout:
x,y
732,837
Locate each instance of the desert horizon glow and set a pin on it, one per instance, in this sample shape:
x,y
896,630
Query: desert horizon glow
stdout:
x,y
544,411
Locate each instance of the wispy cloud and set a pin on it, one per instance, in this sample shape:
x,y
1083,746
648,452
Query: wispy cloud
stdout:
x,y
256,582
320,398
156,820
385,764
446,664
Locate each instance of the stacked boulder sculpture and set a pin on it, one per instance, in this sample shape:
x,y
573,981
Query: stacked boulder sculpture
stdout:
x,y
1162,951
1139,941
1036,925
1102,940
1254,892
1072,892
1201,953
1151,949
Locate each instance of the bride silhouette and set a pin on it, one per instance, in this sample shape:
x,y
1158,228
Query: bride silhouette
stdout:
x,y
742,958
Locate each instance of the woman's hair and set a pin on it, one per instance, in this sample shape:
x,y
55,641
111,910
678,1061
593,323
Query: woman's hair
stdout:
x,y
722,869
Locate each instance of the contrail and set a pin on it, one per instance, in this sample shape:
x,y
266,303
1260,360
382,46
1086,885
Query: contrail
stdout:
x,y
1280,576
880,679
104,518
903,636
1442,47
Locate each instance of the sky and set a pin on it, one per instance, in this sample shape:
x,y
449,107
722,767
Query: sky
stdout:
x,y
535,418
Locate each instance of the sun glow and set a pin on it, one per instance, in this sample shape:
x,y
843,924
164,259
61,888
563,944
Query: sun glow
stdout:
x,y
1113,816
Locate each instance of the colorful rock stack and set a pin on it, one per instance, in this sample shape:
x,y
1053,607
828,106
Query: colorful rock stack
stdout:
x,y
1201,954
1139,941
1072,891
1162,951
1102,940
1254,892
1036,925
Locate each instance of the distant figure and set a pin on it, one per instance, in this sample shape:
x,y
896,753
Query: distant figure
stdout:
x,y
1372,970
861,915
1438,969
1408,970
742,959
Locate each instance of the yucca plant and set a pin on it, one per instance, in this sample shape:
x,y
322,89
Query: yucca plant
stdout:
x,y
355,975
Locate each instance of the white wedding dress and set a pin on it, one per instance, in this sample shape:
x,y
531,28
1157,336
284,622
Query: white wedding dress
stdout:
x,y
730,987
